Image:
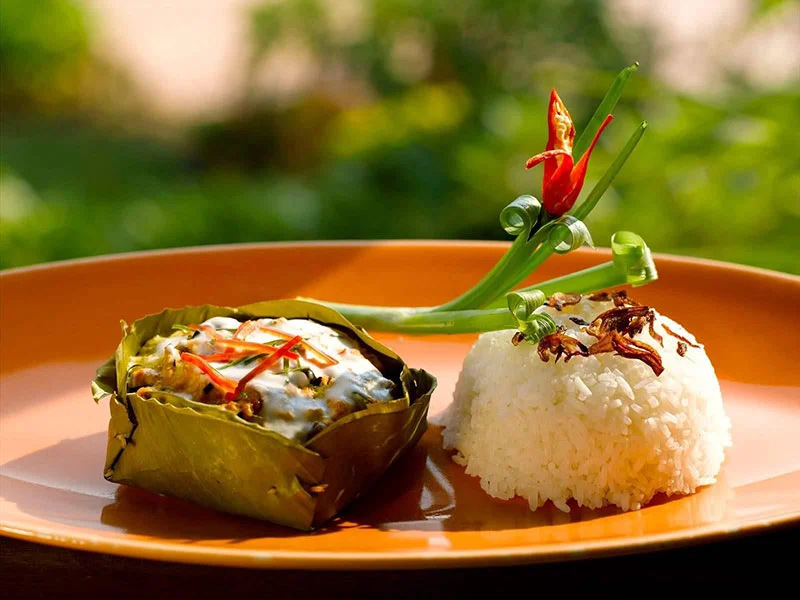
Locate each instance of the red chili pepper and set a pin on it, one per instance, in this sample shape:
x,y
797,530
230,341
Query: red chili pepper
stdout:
x,y
244,330
224,382
563,179
329,359
283,351
227,356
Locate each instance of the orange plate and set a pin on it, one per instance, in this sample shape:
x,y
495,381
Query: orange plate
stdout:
x,y
60,321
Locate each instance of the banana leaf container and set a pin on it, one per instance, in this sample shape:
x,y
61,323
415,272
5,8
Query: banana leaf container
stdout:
x,y
208,455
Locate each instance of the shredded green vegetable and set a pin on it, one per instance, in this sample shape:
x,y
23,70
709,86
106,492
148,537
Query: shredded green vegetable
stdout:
x,y
244,360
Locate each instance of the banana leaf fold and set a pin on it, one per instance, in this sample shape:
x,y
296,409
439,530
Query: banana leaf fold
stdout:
x,y
207,454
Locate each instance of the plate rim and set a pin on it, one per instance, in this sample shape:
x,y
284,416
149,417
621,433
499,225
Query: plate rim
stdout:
x,y
416,559
391,243
326,560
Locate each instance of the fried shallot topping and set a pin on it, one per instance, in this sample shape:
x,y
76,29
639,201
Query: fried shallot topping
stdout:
x,y
518,338
628,320
600,297
629,348
651,320
559,300
611,328
614,330
621,298
559,344
679,337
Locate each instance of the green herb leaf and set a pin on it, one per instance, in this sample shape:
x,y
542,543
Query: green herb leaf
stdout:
x,y
244,361
606,107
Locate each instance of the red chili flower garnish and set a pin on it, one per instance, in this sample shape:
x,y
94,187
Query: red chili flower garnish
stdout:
x,y
563,179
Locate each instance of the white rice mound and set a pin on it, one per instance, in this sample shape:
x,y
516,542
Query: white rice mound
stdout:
x,y
602,429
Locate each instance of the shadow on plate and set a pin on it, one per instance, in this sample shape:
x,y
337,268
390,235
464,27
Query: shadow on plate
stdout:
x,y
427,491
63,483
424,491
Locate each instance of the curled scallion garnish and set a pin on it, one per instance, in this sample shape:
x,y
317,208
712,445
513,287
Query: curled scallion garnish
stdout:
x,y
540,229
532,325
633,258
521,216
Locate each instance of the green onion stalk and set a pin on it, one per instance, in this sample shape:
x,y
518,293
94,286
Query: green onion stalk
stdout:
x,y
540,229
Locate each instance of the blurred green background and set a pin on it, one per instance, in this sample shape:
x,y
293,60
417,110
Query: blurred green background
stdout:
x,y
137,125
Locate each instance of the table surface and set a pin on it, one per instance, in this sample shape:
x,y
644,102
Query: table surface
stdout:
x,y
29,570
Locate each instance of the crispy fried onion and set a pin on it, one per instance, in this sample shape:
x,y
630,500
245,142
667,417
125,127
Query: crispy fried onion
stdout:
x,y
629,348
560,344
620,298
679,337
518,338
614,330
611,328
600,297
559,300
628,320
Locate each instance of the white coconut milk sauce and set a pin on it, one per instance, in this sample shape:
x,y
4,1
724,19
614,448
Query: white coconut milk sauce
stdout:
x,y
291,406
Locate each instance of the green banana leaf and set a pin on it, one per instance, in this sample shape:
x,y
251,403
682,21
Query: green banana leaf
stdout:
x,y
206,454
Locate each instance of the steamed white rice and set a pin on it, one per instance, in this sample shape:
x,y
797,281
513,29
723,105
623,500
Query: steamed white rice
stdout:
x,y
602,429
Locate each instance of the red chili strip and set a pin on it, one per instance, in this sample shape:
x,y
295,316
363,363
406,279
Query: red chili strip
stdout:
x,y
227,356
283,351
224,382
327,358
244,330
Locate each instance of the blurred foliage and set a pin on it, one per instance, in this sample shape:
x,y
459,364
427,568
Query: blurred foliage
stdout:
x,y
43,53
416,124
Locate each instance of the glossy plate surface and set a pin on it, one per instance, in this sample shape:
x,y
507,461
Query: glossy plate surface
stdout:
x,y
60,321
